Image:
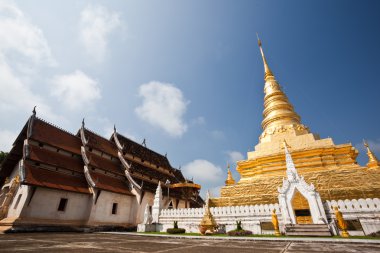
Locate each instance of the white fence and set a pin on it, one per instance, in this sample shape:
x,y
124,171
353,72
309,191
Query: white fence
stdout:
x,y
347,206
367,211
226,216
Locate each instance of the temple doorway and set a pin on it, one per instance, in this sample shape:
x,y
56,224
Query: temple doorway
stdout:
x,y
301,209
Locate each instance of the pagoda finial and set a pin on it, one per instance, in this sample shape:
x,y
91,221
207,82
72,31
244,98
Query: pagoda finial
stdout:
x,y
83,122
268,72
279,114
34,111
373,162
114,128
230,180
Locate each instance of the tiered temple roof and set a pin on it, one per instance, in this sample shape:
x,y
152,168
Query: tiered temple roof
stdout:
x,y
54,158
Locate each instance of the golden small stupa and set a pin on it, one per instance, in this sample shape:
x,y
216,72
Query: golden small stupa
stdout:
x,y
331,168
208,222
373,162
230,180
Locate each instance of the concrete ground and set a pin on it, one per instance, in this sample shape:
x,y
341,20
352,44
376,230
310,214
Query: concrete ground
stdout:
x,y
99,242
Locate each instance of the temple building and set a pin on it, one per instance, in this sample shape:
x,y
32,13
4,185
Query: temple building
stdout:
x,y
54,180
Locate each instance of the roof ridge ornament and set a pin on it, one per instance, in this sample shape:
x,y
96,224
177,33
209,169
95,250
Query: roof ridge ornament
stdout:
x,y
34,111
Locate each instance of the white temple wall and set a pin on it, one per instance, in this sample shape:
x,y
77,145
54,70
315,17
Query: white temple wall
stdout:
x,y
101,212
250,216
18,202
147,200
44,205
367,211
182,204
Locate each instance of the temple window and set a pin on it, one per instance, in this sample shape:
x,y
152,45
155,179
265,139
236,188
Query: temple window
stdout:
x,y
114,208
62,204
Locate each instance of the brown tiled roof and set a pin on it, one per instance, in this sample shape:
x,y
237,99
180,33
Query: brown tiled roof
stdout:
x,y
53,136
105,163
109,183
51,179
142,152
178,175
47,133
55,159
149,172
97,142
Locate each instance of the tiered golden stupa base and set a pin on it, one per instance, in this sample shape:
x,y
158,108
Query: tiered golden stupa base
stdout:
x,y
353,183
331,168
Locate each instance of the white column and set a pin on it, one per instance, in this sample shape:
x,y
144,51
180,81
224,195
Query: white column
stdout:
x,y
284,209
157,204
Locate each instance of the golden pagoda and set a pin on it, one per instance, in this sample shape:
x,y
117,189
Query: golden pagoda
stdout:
x,y
331,168
230,180
373,162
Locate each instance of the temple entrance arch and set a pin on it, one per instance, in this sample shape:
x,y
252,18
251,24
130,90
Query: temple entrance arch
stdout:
x,y
301,208
299,201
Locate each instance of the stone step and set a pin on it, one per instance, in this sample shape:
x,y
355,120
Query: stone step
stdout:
x,y
313,234
304,225
307,230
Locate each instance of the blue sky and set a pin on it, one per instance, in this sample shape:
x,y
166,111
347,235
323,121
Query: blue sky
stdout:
x,y
187,75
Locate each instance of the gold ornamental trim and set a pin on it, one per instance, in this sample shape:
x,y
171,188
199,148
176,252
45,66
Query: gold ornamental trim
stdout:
x,y
185,185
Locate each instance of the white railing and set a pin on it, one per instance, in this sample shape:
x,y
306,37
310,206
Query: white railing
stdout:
x,y
353,205
254,210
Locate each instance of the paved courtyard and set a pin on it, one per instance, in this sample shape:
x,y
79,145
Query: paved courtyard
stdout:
x,y
96,242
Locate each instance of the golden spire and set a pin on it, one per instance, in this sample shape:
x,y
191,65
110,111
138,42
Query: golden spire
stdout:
x,y
230,180
278,113
268,72
373,162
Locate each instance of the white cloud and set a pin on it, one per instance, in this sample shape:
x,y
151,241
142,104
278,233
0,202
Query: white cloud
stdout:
x,y
96,23
15,96
23,48
164,106
234,156
75,90
203,171
20,38
6,140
